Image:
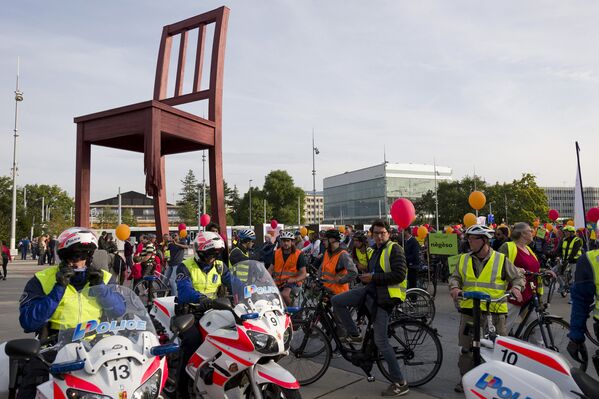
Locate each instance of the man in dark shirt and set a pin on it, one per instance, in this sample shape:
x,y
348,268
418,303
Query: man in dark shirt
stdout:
x,y
412,251
177,248
501,236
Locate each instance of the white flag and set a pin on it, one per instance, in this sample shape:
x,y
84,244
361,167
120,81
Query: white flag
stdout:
x,y
578,204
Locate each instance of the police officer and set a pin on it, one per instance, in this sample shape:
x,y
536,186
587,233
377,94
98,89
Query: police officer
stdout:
x,y
242,251
198,281
485,270
50,300
571,249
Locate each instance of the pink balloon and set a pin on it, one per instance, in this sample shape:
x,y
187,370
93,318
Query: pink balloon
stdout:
x,y
593,215
274,223
403,212
182,226
415,231
204,220
553,215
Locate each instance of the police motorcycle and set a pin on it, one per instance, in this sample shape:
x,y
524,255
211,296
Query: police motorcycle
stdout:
x,y
242,342
116,357
509,368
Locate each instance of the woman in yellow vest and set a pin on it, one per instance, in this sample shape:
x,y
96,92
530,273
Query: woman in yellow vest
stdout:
x,y
289,268
361,252
51,299
482,270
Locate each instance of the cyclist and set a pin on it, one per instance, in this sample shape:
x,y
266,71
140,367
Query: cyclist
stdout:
x,y
198,281
584,292
571,250
361,252
337,268
385,287
51,297
289,268
242,251
482,269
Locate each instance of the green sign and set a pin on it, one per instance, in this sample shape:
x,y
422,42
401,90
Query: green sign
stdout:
x,y
452,262
541,232
443,244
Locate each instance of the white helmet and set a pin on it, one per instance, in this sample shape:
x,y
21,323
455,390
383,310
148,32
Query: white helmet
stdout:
x,y
208,244
246,234
286,235
480,230
79,241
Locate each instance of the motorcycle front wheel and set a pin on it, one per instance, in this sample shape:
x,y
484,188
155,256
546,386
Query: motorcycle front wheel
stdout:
x,y
272,391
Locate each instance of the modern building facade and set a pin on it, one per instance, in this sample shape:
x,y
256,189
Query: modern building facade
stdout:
x,y
359,196
562,199
140,205
313,213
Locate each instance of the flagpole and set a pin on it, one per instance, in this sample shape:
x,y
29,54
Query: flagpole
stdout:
x,y
584,211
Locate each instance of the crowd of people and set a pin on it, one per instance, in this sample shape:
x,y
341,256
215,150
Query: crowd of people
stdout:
x,y
374,267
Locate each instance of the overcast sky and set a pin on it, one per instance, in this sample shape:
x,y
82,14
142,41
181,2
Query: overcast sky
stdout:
x,y
503,87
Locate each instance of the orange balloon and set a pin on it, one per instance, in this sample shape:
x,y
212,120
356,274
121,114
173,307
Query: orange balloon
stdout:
x,y
477,200
304,231
448,230
549,227
183,233
422,232
469,219
342,229
536,223
122,232
570,222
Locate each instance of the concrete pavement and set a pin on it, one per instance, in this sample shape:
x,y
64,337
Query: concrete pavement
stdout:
x,y
342,380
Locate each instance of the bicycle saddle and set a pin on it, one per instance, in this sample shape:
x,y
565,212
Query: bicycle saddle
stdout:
x,y
588,385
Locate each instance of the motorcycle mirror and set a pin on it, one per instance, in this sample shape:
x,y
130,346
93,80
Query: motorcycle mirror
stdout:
x,y
22,348
162,350
182,323
249,316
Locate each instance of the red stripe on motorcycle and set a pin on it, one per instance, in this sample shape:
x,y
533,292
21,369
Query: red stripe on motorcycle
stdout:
x,y
284,384
252,327
58,394
287,321
218,378
478,394
536,356
242,343
165,374
195,360
78,383
226,352
161,307
151,370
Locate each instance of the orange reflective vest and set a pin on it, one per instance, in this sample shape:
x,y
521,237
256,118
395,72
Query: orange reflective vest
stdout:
x,y
329,272
284,269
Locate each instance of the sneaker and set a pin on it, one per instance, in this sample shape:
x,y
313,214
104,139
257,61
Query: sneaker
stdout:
x,y
352,339
458,387
396,389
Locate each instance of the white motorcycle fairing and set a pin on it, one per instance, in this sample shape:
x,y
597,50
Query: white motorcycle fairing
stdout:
x,y
272,372
163,310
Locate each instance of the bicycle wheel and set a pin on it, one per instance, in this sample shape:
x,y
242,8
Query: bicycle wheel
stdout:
x,y
309,355
557,331
418,304
417,349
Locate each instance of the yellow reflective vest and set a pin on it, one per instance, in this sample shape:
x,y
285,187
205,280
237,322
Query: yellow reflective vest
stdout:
x,y
488,281
395,290
567,247
593,257
205,283
512,252
73,308
363,258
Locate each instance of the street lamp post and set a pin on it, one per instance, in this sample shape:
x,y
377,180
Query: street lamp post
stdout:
x,y
436,197
250,191
314,153
13,224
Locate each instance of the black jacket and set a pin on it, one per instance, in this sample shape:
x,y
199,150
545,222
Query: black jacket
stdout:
x,y
412,252
380,279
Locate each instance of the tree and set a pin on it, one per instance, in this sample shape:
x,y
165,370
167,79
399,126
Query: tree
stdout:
x,y
242,212
129,218
188,211
524,199
282,195
108,218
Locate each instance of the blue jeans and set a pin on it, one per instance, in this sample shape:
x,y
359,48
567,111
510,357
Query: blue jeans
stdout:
x,y
354,297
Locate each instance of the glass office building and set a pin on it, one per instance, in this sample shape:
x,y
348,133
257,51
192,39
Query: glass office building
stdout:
x,y
359,196
562,199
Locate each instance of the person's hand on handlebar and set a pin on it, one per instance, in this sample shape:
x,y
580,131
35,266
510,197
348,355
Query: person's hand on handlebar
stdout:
x,y
455,293
516,293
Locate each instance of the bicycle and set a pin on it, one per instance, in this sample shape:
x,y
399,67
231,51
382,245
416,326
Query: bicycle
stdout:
x,y
427,279
416,345
151,287
419,304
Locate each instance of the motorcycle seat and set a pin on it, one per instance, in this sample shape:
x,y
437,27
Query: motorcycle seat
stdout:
x,y
588,385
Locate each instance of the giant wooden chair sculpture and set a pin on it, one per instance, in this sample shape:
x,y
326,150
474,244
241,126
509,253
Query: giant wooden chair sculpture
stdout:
x,y
157,128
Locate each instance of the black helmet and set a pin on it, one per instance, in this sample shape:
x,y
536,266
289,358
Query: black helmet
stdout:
x,y
333,233
360,235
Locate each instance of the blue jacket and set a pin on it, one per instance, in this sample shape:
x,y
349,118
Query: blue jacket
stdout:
x,y
185,291
582,294
36,308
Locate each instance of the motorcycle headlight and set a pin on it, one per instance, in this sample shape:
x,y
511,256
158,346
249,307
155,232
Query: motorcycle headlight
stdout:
x,y
77,394
150,389
263,343
287,337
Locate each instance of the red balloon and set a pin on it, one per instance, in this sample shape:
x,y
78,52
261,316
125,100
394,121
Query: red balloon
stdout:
x,y
553,215
274,223
204,220
182,226
415,231
593,215
403,212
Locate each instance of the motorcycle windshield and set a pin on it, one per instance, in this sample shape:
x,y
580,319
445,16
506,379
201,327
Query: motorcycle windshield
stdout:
x,y
254,287
100,311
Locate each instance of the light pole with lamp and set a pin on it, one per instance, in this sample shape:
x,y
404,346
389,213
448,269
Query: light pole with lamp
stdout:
x,y
314,153
13,224
250,191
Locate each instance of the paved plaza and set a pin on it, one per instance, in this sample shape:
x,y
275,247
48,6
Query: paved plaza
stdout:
x,y
342,380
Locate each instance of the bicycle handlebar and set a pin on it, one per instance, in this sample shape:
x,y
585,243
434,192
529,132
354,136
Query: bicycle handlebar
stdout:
x,y
483,296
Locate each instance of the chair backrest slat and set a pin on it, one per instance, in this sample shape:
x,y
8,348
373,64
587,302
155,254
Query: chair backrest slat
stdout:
x,y
181,64
197,78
